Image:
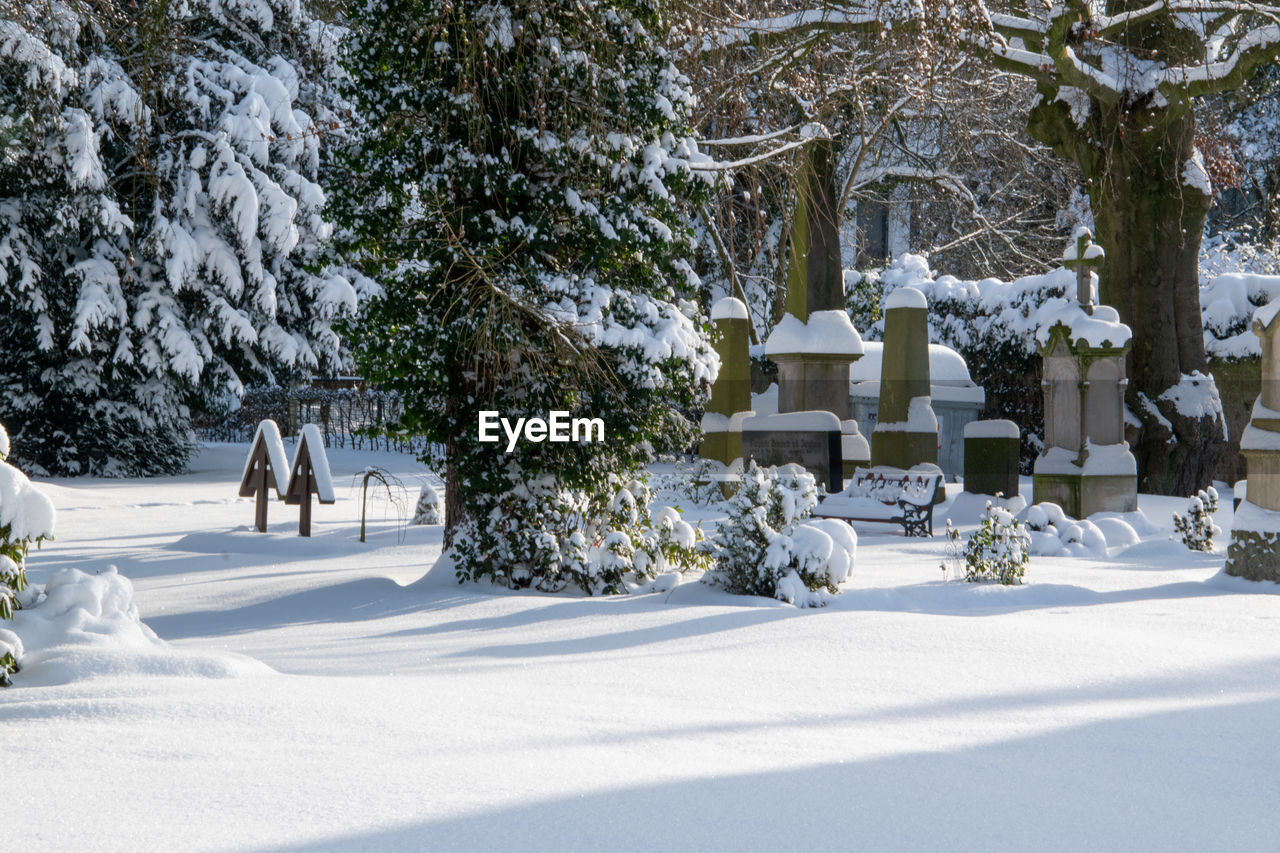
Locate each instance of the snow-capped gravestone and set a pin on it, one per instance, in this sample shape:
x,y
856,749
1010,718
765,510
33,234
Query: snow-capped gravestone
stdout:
x,y
1254,552
811,440
264,470
991,458
731,392
1086,466
815,342
309,476
906,432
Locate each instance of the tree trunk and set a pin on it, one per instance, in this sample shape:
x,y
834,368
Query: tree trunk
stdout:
x,y
455,508
1149,222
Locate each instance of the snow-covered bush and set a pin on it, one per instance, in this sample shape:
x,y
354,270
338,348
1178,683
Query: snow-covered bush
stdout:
x,y
162,227
429,509
26,518
1197,527
766,548
663,542
521,185
999,550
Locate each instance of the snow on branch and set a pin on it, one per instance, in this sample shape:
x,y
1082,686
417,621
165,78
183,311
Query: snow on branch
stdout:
x,y
828,19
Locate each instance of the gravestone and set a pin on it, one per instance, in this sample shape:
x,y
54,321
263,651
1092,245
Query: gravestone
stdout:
x,y
264,470
731,392
991,458
1086,466
1254,552
906,432
815,342
811,440
309,475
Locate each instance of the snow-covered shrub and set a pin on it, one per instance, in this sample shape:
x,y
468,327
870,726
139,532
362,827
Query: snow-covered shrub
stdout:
x,y
163,232
1197,527
26,518
999,550
647,539
429,509
521,184
766,548
1053,533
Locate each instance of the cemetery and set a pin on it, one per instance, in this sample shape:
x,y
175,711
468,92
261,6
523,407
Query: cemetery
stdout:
x,y
599,426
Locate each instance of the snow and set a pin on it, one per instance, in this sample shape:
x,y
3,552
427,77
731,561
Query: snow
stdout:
x,y
1252,517
714,422
1102,328
729,308
319,462
1103,460
1267,313
991,429
1195,176
392,705
1057,460
792,422
24,509
905,297
946,366
1255,438
920,418
827,332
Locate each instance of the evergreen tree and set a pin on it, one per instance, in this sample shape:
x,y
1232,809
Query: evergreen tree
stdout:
x,y
161,219
519,187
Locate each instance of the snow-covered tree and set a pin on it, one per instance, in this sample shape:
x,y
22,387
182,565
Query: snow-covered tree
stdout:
x,y
1116,87
519,184
162,231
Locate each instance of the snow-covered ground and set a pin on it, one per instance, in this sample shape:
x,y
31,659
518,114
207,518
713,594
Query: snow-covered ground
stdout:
x,y
321,694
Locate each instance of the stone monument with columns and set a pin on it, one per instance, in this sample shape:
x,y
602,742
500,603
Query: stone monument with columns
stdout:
x,y
815,342
1086,466
731,392
1254,552
906,431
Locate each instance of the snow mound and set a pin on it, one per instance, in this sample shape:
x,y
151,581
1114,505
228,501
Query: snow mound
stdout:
x,y
27,512
967,507
84,626
1054,534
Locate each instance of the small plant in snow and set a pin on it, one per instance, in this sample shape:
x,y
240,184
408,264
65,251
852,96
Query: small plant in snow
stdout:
x,y
763,548
429,509
952,553
663,543
1197,527
999,550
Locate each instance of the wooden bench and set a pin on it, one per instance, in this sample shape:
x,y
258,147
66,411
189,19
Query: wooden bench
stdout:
x,y
887,494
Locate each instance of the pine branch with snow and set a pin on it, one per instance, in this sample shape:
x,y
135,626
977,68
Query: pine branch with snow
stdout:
x,y
1196,527
163,232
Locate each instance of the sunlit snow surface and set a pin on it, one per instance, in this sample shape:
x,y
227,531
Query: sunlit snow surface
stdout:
x,y
1127,703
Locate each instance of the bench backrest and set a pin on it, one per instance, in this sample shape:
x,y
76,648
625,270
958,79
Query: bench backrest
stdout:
x,y
888,485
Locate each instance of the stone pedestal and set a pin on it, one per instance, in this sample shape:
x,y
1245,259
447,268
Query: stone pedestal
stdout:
x,y
906,432
1254,552
991,458
1086,466
815,342
731,392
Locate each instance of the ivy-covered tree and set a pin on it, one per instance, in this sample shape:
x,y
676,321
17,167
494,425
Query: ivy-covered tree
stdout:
x,y
519,186
162,226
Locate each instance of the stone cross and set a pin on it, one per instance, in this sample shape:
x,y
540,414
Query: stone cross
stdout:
x,y
1084,257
